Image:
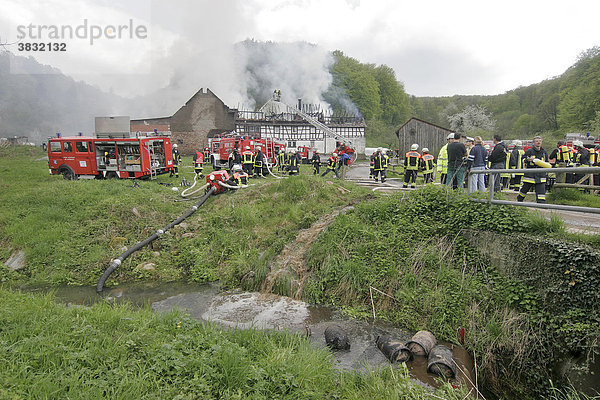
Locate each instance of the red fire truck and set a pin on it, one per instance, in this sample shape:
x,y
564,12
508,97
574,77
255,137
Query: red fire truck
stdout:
x,y
90,157
222,148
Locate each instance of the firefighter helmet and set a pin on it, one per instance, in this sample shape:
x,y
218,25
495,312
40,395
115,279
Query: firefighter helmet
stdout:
x,y
414,147
174,145
425,150
247,147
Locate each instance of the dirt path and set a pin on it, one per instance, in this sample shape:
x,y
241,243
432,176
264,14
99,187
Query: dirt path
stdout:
x,y
290,266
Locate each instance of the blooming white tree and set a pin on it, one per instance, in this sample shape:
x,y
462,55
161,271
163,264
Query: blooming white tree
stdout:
x,y
472,118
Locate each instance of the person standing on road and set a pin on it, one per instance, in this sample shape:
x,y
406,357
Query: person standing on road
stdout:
x,y
442,160
498,160
477,161
427,165
457,153
535,153
412,162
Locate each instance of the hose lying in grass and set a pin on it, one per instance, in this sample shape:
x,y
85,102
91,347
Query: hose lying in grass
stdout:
x,y
185,194
117,261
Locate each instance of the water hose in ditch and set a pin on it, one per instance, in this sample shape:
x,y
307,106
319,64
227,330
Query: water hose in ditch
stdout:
x,y
119,260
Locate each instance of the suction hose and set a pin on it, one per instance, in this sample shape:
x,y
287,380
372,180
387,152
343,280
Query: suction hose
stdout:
x,y
117,261
183,194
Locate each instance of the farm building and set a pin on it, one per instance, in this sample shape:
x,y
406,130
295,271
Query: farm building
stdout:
x,y
205,115
423,133
279,121
202,116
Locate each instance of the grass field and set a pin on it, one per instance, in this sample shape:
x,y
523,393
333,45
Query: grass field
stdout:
x,y
406,245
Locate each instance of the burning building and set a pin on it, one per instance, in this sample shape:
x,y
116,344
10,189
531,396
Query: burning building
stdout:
x,y
205,115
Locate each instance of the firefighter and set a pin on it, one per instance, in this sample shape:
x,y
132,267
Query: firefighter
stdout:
x,y
442,164
281,160
238,176
316,162
234,158
427,164
582,159
206,154
517,161
386,164
247,160
412,161
198,163
533,155
176,160
332,165
294,160
371,163
258,163
378,165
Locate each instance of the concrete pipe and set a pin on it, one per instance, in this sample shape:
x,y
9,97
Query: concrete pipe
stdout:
x,y
441,362
421,343
393,350
336,338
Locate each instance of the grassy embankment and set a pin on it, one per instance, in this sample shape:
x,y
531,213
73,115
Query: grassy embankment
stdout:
x,y
69,230
414,248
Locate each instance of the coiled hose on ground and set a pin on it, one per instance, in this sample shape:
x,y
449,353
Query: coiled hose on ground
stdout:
x,y
117,261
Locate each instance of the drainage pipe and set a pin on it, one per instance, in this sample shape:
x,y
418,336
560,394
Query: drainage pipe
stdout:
x,y
117,261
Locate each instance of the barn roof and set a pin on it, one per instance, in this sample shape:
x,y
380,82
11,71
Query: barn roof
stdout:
x,y
425,122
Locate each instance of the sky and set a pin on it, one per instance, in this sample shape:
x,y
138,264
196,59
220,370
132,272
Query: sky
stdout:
x,y
436,48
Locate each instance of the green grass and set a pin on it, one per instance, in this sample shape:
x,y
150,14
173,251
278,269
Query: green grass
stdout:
x,y
573,197
70,230
114,352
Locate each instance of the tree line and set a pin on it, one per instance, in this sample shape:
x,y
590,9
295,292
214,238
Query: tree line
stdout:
x,y
566,103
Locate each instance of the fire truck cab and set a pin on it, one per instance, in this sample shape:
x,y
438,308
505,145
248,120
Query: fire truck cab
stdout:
x,y
222,149
90,157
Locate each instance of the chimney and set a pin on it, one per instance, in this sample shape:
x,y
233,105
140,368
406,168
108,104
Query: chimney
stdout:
x,y
300,104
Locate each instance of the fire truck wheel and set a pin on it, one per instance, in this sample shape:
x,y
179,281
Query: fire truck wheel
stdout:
x,y
111,175
67,173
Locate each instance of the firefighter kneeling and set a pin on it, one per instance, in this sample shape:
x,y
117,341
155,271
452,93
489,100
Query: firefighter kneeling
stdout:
x,y
238,176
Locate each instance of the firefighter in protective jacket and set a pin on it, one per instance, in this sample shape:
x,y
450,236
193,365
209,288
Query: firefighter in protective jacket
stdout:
x,y
427,165
533,156
248,160
332,165
176,161
316,163
412,161
198,163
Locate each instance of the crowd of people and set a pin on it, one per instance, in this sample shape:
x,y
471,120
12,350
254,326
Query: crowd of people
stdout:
x,y
459,156
463,154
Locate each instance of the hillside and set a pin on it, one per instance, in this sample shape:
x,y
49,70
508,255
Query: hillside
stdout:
x,y
566,103
40,101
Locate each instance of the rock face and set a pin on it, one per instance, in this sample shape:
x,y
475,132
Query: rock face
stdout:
x,y
16,261
336,338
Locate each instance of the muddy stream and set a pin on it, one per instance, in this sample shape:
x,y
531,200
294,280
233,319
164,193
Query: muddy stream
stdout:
x,y
237,309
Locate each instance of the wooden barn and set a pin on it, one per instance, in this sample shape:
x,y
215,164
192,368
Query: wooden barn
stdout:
x,y
423,133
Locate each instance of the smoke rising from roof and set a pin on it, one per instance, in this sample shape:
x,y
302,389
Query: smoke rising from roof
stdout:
x,y
243,75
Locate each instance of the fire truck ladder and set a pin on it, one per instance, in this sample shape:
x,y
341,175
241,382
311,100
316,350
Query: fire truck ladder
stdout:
x,y
326,130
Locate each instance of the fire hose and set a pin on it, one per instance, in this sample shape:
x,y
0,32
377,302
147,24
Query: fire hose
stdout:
x,y
183,194
119,260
